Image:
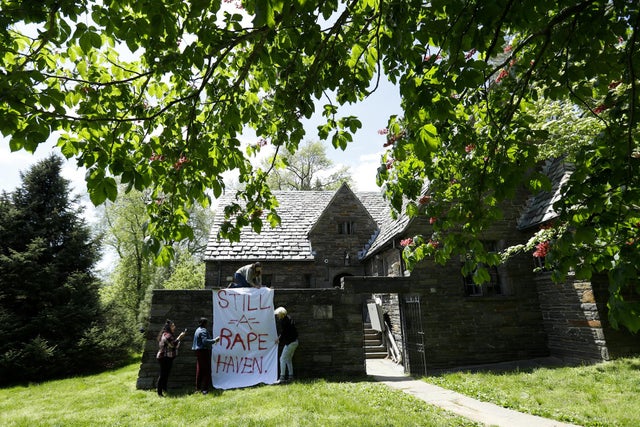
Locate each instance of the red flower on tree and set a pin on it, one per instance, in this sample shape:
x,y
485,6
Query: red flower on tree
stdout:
x,y
503,73
542,249
424,199
181,161
600,108
406,242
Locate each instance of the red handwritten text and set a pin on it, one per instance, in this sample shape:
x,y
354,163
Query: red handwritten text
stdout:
x,y
242,302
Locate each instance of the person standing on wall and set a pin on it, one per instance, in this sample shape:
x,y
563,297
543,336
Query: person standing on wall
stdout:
x,y
202,343
248,276
168,345
289,338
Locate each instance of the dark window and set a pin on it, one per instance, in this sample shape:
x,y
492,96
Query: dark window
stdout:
x,y
346,227
489,288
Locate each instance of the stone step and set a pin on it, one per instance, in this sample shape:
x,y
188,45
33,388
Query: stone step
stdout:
x,y
374,347
376,355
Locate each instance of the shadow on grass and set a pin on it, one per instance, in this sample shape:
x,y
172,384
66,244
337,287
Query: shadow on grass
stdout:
x,y
518,366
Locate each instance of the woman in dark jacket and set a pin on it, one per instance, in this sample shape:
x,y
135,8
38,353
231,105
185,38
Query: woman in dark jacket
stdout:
x,y
167,351
288,337
202,342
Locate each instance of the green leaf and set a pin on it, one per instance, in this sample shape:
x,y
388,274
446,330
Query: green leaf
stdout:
x,y
428,137
102,189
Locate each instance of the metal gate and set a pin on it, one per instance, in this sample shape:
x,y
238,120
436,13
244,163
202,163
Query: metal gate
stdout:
x,y
413,335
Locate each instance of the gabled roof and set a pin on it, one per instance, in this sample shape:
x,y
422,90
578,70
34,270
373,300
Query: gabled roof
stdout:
x,y
344,188
539,207
390,229
299,211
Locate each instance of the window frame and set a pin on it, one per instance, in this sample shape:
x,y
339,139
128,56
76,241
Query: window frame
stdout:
x,y
493,288
346,227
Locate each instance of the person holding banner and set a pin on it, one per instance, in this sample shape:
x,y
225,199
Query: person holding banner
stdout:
x,y
288,337
202,342
168,349
248,276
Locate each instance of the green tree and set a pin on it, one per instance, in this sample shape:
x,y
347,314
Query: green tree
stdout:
x,y
188,273
564,125
52,321
304,169
169,120
136,273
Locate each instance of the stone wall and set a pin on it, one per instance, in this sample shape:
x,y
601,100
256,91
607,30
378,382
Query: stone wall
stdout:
x,y
329,323
575,317
460,330
286,274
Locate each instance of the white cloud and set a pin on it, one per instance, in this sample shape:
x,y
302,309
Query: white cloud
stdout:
x,y
16,162
363,171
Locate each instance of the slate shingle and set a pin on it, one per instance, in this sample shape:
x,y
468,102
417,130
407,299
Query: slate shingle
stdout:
x,y
539,207
299,212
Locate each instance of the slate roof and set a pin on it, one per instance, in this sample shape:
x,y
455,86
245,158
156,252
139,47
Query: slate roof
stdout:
x,y
539,207
388,230
299,211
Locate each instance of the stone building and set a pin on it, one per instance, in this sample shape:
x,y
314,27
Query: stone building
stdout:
x,y
441,318
335,251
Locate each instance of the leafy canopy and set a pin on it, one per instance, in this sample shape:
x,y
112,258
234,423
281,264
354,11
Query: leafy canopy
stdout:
x,y
491,88
468,71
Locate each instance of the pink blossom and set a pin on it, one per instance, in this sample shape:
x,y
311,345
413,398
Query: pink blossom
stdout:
x,y
180,163
424,199
432,220
600,108
503,73
469,148
542,249
406,242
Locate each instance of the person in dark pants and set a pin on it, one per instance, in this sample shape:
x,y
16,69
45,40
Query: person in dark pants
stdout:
x,y
168,345
248,276
289,338
202,342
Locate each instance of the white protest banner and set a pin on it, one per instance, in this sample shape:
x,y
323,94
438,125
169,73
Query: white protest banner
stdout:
x,y
247,353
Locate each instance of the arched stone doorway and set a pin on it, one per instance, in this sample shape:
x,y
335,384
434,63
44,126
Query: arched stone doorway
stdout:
x,y
337,280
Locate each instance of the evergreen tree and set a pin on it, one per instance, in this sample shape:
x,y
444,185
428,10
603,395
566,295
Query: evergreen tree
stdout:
x,y
48,293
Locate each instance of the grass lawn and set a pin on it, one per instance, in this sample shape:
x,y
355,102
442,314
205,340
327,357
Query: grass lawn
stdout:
x,y
111,399
606,394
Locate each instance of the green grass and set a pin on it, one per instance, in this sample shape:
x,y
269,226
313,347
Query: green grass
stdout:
x,y
111,399
606,394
